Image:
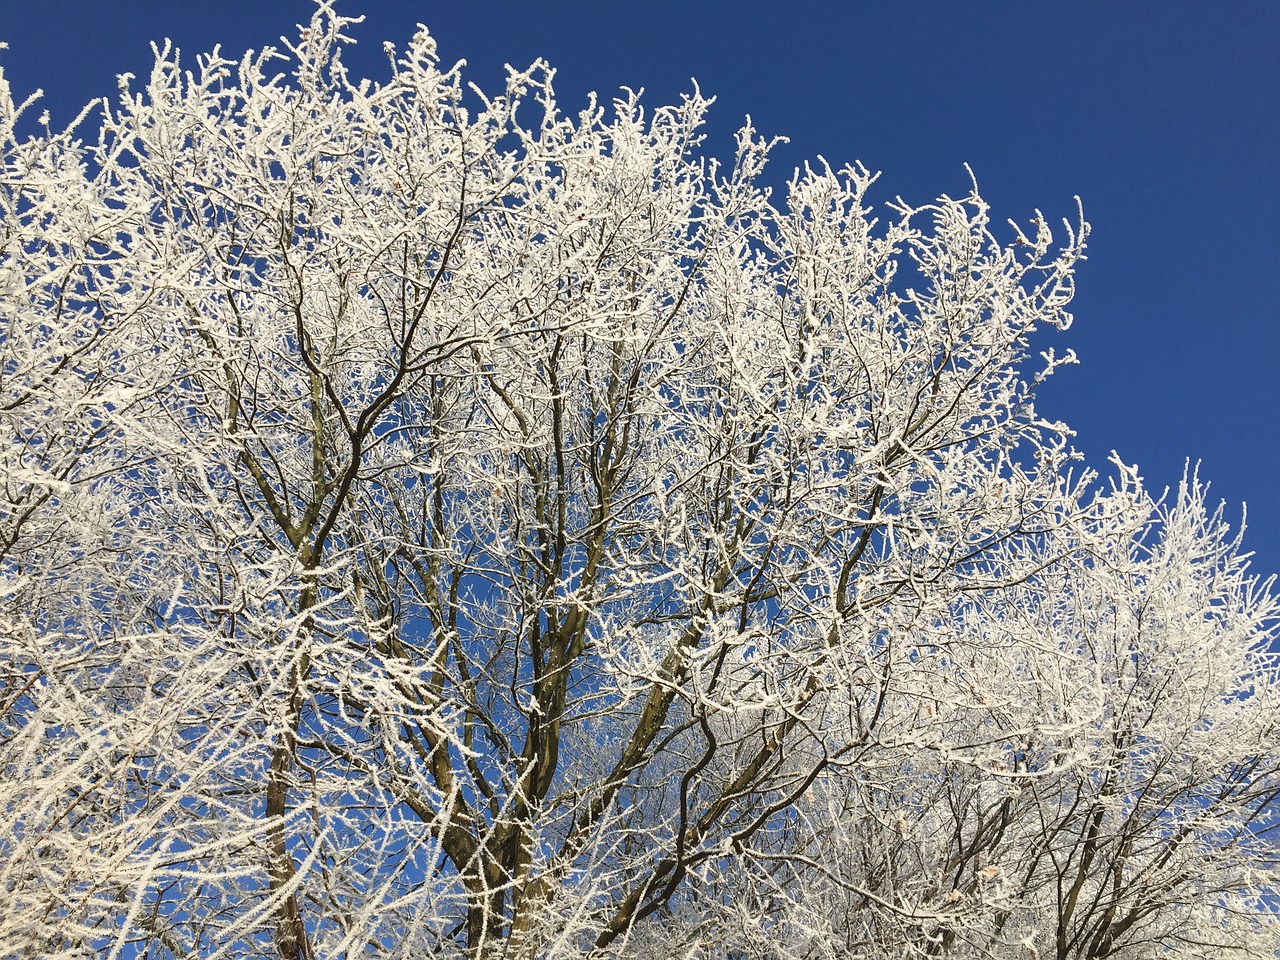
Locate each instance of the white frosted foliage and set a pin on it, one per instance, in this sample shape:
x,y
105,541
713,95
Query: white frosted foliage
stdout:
x,y
433,524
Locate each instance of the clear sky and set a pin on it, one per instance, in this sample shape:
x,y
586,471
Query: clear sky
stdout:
x,y
1163,116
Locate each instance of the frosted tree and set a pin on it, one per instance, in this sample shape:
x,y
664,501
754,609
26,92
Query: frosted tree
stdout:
x,y
436,525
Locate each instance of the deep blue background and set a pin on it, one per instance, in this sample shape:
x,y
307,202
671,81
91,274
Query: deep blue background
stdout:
x,y
1163,116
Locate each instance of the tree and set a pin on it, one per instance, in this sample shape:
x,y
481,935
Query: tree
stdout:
x,y
434,525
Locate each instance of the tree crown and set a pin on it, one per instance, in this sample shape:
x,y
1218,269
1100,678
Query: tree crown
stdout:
x,y
437,525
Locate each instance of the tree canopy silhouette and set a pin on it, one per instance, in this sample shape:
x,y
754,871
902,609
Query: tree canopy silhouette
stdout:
x,y
436,525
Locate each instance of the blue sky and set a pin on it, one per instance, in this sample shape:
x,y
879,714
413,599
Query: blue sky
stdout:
x,y
1163,116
